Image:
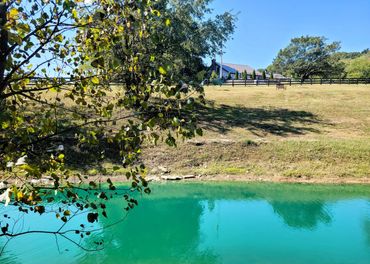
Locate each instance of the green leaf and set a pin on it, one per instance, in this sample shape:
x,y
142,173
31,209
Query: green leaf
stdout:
x,y
104,213
92,217
199,131
98,63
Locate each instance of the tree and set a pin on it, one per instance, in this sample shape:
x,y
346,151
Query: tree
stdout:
x,y
306,57
189,29
3,41
254,75
228,76
271,75
351,55
359,67
263,75
237,75
48,123
244,75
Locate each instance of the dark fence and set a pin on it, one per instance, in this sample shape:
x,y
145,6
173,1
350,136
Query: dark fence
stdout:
x,y
245,82
296,81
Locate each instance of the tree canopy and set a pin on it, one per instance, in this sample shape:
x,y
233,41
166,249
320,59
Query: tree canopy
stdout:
x,y
359,67
307,57
49,124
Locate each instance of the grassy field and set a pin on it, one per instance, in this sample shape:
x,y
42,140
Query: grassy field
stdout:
x,y
315,133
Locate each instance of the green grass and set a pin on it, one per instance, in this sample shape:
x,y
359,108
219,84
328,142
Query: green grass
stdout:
x,y
314,132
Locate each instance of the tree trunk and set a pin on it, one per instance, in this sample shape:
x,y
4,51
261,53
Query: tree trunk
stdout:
x,y
3,49
304,77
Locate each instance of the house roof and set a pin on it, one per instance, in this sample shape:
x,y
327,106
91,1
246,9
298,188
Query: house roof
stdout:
x,y
232,68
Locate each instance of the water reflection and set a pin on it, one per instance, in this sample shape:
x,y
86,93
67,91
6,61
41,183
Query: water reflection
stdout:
x,y
224,223
169,229
302,214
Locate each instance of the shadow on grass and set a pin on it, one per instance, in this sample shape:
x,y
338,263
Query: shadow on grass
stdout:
x,y
85,157
276,121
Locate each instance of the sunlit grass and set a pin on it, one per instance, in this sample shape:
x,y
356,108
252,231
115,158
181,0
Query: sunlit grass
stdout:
x,y
302,132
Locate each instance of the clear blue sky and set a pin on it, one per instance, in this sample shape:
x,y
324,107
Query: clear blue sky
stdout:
x,y
264,27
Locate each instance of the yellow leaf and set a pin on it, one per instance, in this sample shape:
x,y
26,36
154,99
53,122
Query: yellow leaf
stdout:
x,y
67,213
13,13
95,80
19,196
4,125
74,13
168,22
162,70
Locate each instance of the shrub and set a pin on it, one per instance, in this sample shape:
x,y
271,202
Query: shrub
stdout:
x,y
217,82
214,76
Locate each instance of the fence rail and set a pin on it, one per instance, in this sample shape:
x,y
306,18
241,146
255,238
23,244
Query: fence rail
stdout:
x,y
268,82
296,82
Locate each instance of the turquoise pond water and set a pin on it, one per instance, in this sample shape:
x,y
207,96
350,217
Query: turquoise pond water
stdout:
x,y
218,223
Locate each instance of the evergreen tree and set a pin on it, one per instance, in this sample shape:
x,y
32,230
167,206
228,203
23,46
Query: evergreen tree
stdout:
x,y
245,75
228,76
254,74
272,75
264,75
237,75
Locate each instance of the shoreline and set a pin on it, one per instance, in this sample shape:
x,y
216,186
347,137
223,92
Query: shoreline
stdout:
x,y
216,179
237,178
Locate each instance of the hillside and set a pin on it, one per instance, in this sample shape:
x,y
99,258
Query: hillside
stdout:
x,y
313,133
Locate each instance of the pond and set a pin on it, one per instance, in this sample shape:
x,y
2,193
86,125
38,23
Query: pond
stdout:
x,y
220,223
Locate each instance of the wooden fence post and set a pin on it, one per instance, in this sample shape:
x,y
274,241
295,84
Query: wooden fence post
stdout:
x,y
321,81
290,82
245,82
232,82
268,82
